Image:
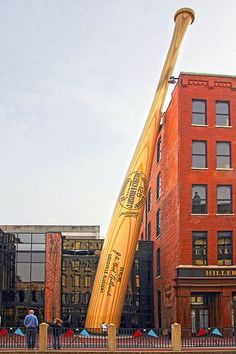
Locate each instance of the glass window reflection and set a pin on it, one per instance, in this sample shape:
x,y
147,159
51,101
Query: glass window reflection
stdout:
x,y
199,154
24,238
222,113
223,155
37,272
38,257
23,272
199,112
38,246
24,247
199,199
23,257
38,238
224,199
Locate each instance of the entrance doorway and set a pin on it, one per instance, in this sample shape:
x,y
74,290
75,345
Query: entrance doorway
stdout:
x,y
200,319
204,311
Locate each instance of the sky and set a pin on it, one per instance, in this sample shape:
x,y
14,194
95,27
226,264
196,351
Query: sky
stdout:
x,y
77,80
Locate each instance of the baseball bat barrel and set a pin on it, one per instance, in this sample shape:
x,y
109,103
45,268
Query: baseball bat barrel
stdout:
x,y
113,272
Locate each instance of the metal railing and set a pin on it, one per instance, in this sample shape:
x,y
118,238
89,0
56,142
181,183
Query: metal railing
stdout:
x,y
14,337
77,338
209,337
80,338
143,338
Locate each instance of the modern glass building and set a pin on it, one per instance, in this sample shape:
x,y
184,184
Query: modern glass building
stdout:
x,y
22,281
52,269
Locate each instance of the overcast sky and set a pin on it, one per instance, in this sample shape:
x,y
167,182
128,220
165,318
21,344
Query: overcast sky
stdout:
x,y
77,81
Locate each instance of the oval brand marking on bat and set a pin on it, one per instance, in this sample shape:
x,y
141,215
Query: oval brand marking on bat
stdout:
x,y
134,191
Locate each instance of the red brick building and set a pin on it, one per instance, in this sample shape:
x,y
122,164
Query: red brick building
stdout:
x,y
191,206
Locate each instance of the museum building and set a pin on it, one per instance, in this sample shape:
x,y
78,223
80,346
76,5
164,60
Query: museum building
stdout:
x,y
52,269
191,205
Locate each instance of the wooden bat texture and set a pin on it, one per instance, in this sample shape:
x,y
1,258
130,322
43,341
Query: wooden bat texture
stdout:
x,y
107,298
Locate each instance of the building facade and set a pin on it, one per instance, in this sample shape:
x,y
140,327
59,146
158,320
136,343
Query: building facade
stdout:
x,y
52,269
191,205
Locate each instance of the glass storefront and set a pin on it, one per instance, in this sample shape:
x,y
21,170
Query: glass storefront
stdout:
x,y
22,279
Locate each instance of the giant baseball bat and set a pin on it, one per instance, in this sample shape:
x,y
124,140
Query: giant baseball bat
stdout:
x,y
107,298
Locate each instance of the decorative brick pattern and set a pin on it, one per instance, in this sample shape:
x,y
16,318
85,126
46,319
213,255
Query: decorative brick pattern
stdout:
x,y
53,276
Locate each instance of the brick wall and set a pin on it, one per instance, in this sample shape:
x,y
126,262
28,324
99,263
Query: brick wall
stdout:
x,y
177,177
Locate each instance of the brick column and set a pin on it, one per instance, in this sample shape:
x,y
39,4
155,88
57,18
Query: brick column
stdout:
x,y
183,307
225,308
53,276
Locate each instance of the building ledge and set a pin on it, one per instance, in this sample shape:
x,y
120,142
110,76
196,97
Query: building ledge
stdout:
x,y
224,169
199,168
223,126
224,214
199,125
199,214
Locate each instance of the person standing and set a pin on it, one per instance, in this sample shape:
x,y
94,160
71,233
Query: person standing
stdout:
x,y
104,328
56,331
31,324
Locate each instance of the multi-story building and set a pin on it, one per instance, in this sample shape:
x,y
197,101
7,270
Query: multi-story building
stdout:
x,y
191,206
52,269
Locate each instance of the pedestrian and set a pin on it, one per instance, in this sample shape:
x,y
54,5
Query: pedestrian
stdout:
x,y
56,331
31,324
104,328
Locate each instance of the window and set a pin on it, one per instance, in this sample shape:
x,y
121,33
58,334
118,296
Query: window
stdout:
x,y
224,248
159,150
199,112
158,262
87,281
199,154
222,113
24,242
63,280
77,280
149,232
158,186
199,247
24,257
199,199
137,281
136,264
38,238
197,300
224,200
158,223
149,200
38,257
37,272
223,155
23,273
24,238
